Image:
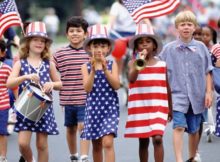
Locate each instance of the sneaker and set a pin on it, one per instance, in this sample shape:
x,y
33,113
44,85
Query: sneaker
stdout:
x,y
21,159
74,158
209,135
10,128
189,160
85,159
3,159
197,158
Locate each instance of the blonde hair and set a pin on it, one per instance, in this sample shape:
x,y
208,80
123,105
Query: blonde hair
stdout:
x,y
185,16
24,50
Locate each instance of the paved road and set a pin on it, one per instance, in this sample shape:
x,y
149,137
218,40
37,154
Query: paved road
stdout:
x,y
126,149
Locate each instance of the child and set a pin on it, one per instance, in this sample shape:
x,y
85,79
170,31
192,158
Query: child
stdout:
x,y
68,61
216,52
189,66
197,34
216,55
149,101
100,80
209,36
35,66
4,102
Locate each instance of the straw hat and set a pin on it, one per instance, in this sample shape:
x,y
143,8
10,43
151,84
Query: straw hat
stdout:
x,y
97,32
145,30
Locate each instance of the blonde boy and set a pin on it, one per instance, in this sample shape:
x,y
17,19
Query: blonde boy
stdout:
x,y
189,66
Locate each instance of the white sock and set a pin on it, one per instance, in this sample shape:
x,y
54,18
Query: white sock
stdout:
x,y
76,154
83,156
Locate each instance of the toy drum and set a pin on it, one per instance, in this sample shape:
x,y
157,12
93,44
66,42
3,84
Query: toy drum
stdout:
x,y
32,103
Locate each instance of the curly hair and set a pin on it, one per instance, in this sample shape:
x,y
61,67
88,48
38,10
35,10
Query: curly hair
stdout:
x,y
24,50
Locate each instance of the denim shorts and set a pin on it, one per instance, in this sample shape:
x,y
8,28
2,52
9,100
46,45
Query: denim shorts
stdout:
x,y
189,121
3,122
73,115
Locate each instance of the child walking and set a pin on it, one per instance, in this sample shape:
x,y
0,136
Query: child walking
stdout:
x,y
149,100
68,61
35,66
100,80
216,59
189,66
5,71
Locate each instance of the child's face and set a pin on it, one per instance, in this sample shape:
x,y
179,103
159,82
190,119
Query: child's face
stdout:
x,y
37,45
99,50
206,35
146,43
185,30
198,34
76,36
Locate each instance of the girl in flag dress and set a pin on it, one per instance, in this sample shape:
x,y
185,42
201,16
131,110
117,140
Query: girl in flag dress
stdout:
x,y
149,100
100,80
5,71
35,66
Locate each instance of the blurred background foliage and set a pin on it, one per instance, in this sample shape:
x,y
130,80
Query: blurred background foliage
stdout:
x,y
36,9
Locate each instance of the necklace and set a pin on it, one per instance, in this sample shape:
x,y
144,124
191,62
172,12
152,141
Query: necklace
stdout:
x,y
37,69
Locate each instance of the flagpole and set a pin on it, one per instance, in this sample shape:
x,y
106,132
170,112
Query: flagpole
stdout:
x,y
22,28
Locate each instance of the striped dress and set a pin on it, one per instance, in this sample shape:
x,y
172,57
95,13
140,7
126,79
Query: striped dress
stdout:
x,y
148,103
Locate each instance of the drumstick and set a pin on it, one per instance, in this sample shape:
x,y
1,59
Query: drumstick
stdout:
x,y
41,88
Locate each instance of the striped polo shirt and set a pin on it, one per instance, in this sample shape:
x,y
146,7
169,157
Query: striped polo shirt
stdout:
x,y
68,61
5,71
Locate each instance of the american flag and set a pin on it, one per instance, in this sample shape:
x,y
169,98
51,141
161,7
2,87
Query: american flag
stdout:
x,y
8,15
141,9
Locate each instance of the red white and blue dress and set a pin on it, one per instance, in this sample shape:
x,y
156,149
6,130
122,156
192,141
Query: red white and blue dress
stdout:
x,y
148,103
47,123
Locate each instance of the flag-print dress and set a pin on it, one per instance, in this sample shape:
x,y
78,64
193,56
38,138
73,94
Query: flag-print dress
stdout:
x,y
102,108
47,123
148,103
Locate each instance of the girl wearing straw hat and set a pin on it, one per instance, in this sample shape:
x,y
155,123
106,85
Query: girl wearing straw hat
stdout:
x,y
100,80
35,66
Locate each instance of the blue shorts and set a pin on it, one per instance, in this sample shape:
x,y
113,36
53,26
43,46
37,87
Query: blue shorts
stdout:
x,y
191,122
74,115
3,122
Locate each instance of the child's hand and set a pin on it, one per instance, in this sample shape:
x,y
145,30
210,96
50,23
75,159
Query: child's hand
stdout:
x,y
104,63
217,64
92,61
143,54
208,99
48,87
170,116
33,77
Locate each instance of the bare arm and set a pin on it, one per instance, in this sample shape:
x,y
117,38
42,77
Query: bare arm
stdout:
x,y
132,72
170,104
88,78
55,83
209,90
111,22
15,80
113,76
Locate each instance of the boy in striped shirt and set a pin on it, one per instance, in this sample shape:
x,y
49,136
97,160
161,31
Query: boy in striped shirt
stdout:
x,y
68,61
